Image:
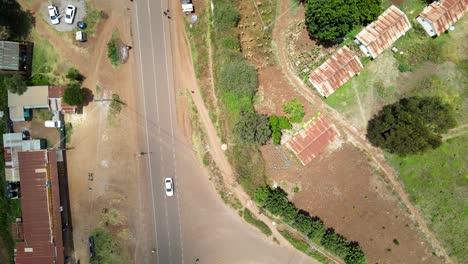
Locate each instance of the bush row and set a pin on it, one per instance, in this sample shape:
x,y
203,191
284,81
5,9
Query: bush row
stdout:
x,y
276,202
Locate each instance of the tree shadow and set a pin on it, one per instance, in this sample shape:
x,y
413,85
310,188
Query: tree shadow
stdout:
x,y
88,96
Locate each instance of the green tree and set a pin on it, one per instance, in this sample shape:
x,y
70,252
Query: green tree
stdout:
x,y
262,195
329,20
4,32
73,94
239,77
411,126
277,123
252,128
295,110
16,83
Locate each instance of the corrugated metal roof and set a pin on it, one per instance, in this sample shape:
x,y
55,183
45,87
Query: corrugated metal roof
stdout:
x,y
9,55
336,71
380,34
40,204
313,140
445,13
12,144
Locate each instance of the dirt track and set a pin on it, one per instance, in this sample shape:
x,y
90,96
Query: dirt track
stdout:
x,y
347,128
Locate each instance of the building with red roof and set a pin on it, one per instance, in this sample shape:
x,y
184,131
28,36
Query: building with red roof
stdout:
x,y
313,140
437,17
40,203
382,33
336,71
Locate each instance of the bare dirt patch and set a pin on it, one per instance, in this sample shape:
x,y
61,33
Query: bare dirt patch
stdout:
x,y
343,190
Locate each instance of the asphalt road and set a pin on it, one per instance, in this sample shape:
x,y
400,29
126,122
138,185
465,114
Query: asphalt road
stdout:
x,y
155,69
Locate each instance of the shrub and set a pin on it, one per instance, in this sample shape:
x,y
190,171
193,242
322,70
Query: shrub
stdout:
x,y
230,43
252,128
226,15
113,49
404,67
295,110
277,123
74,75
239,77
411,126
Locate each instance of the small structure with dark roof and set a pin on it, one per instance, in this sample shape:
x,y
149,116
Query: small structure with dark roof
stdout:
x,y
382,33
40,203
313,140
437,17
15,57
336,71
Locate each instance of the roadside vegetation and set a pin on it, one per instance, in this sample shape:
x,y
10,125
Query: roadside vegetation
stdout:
x,y
275,202
107,248
113,49
115,107
304,246
257,223
92,18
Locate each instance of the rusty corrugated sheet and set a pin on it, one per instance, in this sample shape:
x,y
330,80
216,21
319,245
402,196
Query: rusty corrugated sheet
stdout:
x,y
444,14
313,140
336,71
41,211
380,34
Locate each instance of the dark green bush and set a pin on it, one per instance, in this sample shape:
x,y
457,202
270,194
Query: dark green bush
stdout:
x,y
239,77
277,123
226,15
230,43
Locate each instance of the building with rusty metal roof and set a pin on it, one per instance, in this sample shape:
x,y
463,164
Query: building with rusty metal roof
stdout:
x,y
437,17
382,33
40,203
336,71
313,140
15,57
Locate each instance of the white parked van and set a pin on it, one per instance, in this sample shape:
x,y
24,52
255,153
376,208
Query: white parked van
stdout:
x,y
51,123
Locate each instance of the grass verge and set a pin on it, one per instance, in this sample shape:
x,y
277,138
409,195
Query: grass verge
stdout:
x,y
45,62
257,223
92,18
108,250
303,246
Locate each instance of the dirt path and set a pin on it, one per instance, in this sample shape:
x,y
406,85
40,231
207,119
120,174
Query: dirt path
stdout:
x,y
346,127
456,132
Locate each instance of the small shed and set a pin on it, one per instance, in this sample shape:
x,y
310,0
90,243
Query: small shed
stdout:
x,y
313,140
336,71
437,17
382,33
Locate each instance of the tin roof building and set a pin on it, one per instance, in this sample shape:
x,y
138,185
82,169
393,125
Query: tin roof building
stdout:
x,y
336,71
382,33
13,143
15,57
40,204
437,17
313,140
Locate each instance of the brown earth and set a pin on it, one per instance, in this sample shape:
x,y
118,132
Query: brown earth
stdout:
x,y
342,189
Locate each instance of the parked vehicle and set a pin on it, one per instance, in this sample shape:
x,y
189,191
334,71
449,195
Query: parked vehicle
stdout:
x,y
54,14
92,251
12,195
70,14
169,186
187,6
52,123
11,186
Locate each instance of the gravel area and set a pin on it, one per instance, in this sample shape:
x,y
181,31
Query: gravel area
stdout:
x,y
61,5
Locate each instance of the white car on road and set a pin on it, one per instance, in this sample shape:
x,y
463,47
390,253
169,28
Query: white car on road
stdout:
x,y
54,15
169,186
70,14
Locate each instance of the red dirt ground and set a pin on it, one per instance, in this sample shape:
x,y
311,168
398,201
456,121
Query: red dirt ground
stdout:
x,y
342,189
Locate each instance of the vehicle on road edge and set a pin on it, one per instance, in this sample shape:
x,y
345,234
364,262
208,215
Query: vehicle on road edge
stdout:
x,y
169,185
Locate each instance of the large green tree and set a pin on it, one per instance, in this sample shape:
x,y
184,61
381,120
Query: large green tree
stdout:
x,y
15,83
411,125
329,20
73,94
252,128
